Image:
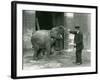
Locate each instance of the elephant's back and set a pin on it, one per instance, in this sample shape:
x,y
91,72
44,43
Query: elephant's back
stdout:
x,y
41,34
40,37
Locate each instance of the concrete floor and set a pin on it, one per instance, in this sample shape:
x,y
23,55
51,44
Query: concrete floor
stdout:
x,y
65,59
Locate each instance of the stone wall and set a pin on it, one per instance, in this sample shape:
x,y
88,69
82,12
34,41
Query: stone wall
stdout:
x,y
28,27
84,21
73,19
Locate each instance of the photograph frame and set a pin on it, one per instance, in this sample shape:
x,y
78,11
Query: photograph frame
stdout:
x,y
14,39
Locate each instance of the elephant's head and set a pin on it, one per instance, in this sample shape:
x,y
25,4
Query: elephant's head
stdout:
x,y
57,32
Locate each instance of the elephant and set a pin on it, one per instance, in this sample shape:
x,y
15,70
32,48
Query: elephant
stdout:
x,y
43,41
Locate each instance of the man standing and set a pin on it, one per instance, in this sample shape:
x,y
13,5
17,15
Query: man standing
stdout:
x,y
78,41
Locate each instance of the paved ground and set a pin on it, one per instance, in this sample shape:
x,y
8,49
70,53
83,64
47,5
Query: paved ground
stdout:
x,y
65,59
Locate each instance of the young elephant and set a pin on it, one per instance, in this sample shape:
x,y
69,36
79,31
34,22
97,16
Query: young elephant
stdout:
x,y
43,41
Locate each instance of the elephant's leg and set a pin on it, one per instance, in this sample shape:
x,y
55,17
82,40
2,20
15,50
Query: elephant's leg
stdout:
x,y
52,50
39,53
43,52
48,50
35,54
36,50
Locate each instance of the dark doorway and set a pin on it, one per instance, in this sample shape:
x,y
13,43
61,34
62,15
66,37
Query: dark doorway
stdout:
x,y
48,20
44,20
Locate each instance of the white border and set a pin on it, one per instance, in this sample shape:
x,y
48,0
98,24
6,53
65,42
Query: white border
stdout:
x,y
21,72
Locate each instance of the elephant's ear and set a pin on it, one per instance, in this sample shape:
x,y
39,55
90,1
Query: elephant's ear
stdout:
x,y
52,33
61,29
56,32
60,32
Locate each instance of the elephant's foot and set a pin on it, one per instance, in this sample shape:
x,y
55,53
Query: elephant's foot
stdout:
x,y
48,56
35,58
51,53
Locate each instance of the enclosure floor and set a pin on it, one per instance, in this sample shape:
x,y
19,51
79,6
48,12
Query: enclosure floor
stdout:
x,y
65,59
